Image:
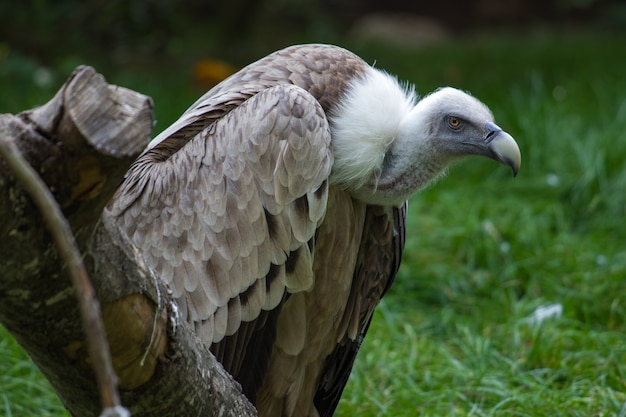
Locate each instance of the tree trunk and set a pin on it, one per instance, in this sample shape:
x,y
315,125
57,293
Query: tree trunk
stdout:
x,y
81,143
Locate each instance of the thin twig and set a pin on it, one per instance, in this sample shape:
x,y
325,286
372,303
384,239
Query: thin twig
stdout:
x,y
68,250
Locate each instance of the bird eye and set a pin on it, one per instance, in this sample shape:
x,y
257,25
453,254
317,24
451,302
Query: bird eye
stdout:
x,y
454,122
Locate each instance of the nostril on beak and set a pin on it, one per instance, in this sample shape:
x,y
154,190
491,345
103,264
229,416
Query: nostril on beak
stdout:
x,y
491,129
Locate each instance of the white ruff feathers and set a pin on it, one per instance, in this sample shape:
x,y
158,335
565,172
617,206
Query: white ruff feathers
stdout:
x,y
365,124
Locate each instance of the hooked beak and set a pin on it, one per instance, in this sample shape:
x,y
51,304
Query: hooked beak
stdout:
x,y
503,147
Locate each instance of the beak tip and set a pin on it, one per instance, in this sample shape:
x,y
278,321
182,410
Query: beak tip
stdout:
x,y
505,150
514,167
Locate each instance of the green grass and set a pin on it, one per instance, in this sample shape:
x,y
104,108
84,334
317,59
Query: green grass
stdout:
x,y
484,250
23,390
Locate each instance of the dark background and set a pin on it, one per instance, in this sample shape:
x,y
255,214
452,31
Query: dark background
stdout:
x,y
135,33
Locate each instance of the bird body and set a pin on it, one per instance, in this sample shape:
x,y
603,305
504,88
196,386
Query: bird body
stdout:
x,y
274,209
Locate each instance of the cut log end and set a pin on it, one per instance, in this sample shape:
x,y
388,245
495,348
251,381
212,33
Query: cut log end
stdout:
x,y
137,336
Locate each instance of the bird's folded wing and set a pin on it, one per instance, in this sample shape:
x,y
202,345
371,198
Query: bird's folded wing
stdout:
x,y
377,264
224,218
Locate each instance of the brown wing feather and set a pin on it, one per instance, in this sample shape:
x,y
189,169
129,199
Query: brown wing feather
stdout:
x,y
295,367
202,216
378,262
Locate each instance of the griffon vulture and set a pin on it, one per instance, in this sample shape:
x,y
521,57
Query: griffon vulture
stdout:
x,y
274,209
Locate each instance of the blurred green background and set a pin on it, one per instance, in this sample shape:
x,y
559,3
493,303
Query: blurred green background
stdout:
x,y
460,332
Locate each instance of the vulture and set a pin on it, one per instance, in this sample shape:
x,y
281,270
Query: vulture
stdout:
x,y
274,210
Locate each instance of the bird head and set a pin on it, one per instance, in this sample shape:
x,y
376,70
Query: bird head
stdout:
x,y
459,125
387,145
442,127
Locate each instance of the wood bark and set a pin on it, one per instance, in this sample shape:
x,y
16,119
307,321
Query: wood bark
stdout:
x,y
81,143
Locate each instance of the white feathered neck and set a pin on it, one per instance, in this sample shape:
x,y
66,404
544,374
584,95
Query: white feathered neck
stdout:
x,y
364,125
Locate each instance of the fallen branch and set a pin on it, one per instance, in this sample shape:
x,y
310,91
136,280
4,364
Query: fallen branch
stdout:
x,y
66,245
81,144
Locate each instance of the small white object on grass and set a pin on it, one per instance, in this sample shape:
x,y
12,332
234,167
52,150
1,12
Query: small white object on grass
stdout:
x,y
545,312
